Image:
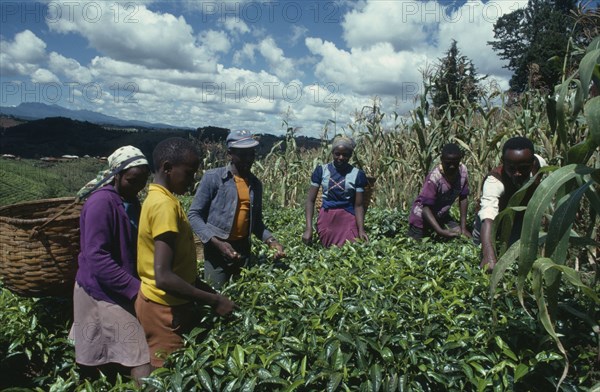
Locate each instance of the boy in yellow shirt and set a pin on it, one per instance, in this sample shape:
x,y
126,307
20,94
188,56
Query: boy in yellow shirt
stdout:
x,y
167,254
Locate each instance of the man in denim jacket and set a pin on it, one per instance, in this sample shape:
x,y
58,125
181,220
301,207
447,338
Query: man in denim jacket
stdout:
x,y
227,208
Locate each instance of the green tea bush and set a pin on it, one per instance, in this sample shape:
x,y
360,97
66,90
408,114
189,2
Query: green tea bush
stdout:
x,y
34,349
30,179
389,315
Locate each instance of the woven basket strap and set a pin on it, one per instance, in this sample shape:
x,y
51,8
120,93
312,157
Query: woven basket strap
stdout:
x,y
35,231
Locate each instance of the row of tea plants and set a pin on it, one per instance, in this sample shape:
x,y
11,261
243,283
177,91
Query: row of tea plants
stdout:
x,y
388,315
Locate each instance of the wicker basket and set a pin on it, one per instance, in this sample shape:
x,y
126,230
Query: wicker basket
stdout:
x,y
40,244
368,194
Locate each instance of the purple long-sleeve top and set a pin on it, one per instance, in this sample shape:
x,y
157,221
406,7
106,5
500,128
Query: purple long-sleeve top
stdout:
x,y
107,260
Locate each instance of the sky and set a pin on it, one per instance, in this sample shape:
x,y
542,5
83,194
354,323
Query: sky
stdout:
x,y
261,66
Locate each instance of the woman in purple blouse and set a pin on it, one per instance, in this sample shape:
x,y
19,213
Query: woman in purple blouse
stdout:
x,y
106,333
430,213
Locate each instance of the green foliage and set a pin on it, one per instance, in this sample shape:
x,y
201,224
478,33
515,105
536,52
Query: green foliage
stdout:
x,y
543,256
26,179
533,39
454,78
390,315
286,170
393,314
34,349
382,154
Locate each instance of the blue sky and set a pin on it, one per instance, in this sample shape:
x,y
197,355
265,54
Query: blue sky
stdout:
x,y
237,64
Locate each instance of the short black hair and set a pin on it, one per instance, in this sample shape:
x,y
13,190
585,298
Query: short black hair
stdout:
x,y
174,150
451,149
518,143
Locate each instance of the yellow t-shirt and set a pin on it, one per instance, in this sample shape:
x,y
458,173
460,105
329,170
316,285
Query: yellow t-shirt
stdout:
x,y
163,213
241,223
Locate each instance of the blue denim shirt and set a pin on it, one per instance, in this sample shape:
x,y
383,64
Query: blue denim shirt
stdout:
x,y
213,209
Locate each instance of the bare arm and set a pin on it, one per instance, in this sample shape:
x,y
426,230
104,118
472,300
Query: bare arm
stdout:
x,y
430,219
173,284
463,204
359,213
309,209
487,247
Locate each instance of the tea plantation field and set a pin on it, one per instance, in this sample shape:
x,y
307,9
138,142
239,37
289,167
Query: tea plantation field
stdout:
x,y
31,179
388,315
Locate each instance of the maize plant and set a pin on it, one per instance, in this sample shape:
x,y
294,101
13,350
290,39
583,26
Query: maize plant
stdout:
x,y
544,258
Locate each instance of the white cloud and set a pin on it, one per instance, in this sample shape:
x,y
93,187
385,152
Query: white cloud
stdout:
x,y
23,55
105,68
476,19
402,23
378,70
246,53
139,36
280,65
411,24
389,42
42,75
236,25
214,8
26,48
70,68
214,67
215,41
298,32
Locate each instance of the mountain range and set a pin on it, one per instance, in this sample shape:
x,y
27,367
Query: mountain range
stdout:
x,y
36,111
57,136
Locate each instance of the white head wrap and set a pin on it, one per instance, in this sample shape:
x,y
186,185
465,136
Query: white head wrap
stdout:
x,y
123,158
343,141
122,154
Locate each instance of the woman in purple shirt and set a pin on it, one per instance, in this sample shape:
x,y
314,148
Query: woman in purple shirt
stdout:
x,y
430,213
106,333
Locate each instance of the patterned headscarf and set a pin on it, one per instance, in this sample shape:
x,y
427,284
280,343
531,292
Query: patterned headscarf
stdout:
x,y
343,141
123,158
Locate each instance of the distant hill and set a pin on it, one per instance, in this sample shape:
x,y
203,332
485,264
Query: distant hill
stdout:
x,y
37,111
58,136
267,141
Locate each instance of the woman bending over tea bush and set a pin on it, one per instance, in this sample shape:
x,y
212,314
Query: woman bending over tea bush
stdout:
x,y
342,214
430,212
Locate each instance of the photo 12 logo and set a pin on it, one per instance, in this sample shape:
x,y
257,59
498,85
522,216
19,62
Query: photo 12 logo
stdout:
x,y
471,11
254,92
272,11
56,11
67,91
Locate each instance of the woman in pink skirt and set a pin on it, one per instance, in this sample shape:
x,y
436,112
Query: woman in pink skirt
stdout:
x,y
342,214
